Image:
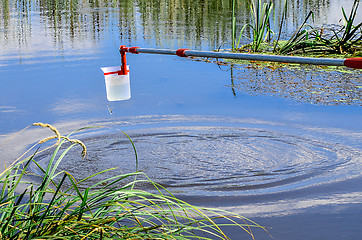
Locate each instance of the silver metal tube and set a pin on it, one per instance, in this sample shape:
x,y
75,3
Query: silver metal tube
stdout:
x,y
269,58
156,51
245,56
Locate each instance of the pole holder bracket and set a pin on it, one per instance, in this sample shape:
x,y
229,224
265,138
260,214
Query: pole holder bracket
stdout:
x,y
181,52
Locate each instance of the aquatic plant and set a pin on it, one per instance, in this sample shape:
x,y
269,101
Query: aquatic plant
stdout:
x,y
261,22
308,39
60,207
303,38
350,34
233,27
260,26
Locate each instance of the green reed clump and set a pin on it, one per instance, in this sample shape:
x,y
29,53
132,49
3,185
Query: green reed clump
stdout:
x,y
57,207
260,25
307,39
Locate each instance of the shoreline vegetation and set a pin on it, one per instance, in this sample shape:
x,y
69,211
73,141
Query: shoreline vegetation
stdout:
x,y
58,206
342,42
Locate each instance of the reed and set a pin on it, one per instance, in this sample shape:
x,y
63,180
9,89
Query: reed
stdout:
x,y
260,26
58,207
351,34
308,39
233,27
301,39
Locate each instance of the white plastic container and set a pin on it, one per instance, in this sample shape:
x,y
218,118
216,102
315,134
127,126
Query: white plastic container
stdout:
x,y
117,86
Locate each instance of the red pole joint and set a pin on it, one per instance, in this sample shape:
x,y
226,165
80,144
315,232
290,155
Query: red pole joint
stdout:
x,y
181,52
122,50
133,50
353,63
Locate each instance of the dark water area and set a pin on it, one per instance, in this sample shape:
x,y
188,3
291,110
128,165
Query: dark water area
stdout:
x,y
279,145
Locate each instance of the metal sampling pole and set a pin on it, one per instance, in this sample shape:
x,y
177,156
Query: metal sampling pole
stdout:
x,y
184,52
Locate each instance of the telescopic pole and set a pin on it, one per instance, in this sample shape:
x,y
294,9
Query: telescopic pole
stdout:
x,y
184,52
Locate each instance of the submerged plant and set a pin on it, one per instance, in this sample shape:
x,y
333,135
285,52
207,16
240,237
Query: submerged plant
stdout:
x,y
58,207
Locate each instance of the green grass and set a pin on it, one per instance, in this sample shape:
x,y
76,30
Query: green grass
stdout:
x,y
260,26
57,207
306,40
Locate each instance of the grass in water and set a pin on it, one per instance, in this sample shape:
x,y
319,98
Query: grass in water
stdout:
x,y
307,39
347,40
57,207
260,26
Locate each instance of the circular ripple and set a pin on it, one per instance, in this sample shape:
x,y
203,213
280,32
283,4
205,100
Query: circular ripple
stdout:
x,y
213,160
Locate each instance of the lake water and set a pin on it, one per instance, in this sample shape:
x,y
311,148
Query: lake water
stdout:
x,y
279,145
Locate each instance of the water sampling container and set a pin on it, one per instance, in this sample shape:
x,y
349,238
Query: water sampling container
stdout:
x,y
117,84
117,80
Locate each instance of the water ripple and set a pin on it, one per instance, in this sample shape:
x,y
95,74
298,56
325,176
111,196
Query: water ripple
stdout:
x,y
217,160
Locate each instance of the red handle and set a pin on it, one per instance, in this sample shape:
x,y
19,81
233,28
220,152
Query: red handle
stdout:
x,y
181,52
124,71
353,63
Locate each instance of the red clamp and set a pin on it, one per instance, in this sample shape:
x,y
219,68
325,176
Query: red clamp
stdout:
x,y
133,50
123,50
181,52
353,63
